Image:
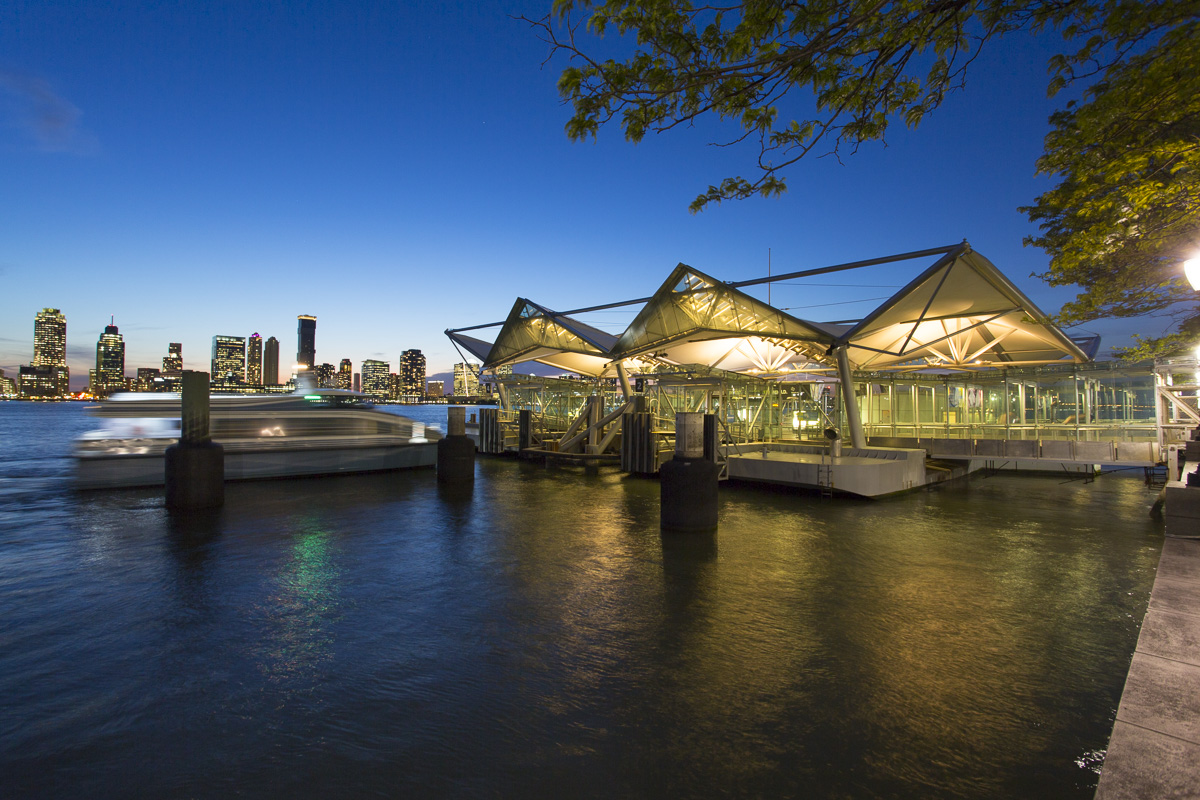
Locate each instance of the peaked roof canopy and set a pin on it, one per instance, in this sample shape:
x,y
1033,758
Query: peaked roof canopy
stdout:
x,y
696,319
535,333
960,313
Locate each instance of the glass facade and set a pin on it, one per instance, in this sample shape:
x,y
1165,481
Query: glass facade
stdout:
x,y
1087,402
50,338
271,362
325,376
1096,402
254,360
376,378
412,373
52,378
466,380
42,382
228,361
172,364
306,340
110,363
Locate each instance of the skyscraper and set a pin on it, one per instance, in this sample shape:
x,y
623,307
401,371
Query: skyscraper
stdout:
x,y
48,382
434,390
325,376
271,362
50,376
173,361
306,340
375,378
412,373
254,360
149,379
228,360
49,338
110,362
466,381
345,376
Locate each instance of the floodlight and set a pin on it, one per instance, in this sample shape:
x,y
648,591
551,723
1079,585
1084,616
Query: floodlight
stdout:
x,y
1191,268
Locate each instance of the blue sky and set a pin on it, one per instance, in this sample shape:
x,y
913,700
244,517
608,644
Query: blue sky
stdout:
x,y
399,169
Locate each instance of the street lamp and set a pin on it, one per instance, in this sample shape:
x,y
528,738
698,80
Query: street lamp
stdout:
x,y
1191,268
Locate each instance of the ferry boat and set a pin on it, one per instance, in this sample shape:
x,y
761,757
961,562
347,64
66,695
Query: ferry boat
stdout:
x,y
315,432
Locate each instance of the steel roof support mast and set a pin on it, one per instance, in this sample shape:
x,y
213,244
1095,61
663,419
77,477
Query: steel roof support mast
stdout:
x,y
849,401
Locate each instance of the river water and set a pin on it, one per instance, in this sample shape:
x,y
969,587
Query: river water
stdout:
x,y
536,636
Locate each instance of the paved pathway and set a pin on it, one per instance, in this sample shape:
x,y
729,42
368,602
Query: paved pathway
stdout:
x,y
1154,751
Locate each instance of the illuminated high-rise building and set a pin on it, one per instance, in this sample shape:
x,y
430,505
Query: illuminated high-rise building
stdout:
x,y
149,379
466,380
43,382
110,362
49,338
228,361
412,373
376,377
345,376
434,390
271,362
326,376
254,360
8,386
48,375
306,340
173,361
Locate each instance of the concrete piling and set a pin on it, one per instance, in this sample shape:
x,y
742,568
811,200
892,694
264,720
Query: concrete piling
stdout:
x,y
688,488
195,466
639,446
456,451
524,430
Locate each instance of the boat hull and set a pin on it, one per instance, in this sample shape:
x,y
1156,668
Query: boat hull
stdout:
x,y
254,461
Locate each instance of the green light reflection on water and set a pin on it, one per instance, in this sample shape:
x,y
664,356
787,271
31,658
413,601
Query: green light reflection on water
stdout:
x,y
302,610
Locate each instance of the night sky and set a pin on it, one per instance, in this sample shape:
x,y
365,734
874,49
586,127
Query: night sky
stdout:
x,y
397,170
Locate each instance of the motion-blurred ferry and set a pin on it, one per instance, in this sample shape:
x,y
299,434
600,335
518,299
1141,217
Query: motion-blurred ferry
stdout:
x,y
317,432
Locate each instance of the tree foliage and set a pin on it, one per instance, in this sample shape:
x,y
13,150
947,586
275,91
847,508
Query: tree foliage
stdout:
x,y
1125,211
865,62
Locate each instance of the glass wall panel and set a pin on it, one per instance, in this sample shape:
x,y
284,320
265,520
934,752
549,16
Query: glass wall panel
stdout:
x,y
902,396
925,407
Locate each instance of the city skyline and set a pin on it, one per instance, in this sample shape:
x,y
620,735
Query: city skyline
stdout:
x,y
388,160
233,361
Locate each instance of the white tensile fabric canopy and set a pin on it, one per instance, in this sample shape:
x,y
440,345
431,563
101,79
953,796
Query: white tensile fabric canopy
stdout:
x,y
960,314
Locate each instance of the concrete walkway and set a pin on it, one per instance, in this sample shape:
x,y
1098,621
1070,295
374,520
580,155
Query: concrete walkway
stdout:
x,y
1154,751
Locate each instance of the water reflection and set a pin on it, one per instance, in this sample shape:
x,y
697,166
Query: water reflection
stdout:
x,y
187,529
299,614
456,496
373,635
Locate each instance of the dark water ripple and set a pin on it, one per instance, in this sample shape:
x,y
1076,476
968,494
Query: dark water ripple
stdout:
x,y
536,636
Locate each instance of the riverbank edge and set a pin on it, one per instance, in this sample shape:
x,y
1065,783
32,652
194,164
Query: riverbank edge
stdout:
x,y
1154,750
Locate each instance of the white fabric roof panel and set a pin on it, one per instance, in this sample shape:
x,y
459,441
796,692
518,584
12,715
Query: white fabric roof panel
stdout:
x,y
691,314
960,313
535,333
